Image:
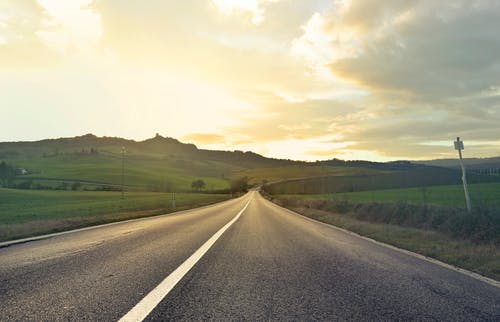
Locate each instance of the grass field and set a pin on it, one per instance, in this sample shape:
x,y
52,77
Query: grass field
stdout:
x,y
141,173
431,221
258,175
482,195
19,206
412,178
29,212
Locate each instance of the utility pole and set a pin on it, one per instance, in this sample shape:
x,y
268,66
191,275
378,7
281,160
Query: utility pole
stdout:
x,y
123,173
459,145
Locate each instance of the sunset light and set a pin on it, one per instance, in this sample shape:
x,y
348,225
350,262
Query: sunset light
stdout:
x,y
264,70
249,160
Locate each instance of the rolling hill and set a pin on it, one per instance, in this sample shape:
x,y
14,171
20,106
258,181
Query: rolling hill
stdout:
x,y
471,163
156,164
166,164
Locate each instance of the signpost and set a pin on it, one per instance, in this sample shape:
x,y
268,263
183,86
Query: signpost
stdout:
x,y
123,172
459,146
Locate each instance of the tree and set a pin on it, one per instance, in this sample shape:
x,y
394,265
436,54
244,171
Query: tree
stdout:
x,y
239,185
76,185
25,185
7,173
198,184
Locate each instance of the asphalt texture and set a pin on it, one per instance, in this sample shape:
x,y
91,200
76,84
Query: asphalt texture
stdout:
x,y
270,265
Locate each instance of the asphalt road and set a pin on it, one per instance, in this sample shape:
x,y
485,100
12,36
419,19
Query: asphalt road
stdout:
x,y
269,265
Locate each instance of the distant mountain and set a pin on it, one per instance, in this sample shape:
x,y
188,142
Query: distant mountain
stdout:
x,y
160,146
51,155
166,164
90,141
471,163
392,165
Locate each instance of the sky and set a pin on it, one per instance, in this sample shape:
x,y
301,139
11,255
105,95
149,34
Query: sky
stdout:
x,y
306,80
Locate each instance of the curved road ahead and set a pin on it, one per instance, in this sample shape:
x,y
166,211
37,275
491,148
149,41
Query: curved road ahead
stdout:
x,y
268,264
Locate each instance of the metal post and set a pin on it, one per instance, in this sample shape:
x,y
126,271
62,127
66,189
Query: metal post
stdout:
x,y
459,145
123,173
173,200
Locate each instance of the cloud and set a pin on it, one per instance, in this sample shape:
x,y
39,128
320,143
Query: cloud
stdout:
x,y
19,21
254,7
429,68
189,38
429,51
300,79
275,118
294,127
69,25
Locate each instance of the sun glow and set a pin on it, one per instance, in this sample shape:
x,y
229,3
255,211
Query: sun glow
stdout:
x,y
69,25
175,102
271,76
230,7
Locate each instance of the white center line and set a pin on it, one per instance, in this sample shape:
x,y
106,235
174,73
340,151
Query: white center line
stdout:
x,y
150,301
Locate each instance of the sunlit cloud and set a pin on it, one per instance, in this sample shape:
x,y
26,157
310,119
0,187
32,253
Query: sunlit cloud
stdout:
x,y
294,127
254,7
294,79
18,21
319,46
69,25
469,143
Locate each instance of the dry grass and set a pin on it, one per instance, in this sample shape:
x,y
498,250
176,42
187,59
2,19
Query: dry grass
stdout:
x,y
482,258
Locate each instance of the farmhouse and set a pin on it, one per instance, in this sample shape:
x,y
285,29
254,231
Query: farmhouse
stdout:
x,y
22,171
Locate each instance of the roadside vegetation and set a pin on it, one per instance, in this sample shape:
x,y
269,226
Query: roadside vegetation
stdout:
x,y
60,184
483,195
273,174
31,212
421,209
453,236
419,177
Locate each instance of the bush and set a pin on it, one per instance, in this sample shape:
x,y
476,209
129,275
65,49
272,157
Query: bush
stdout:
x,y
25,185
76,185
198,185
239,185
480,226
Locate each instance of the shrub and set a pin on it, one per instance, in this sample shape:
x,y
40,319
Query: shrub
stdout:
x,y
480,226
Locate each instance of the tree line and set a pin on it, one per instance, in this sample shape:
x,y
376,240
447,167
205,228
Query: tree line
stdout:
x,y
7,173
238,185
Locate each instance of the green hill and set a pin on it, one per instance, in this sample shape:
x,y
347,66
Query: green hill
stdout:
x,y
156,164
166,164
422,176
478,165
